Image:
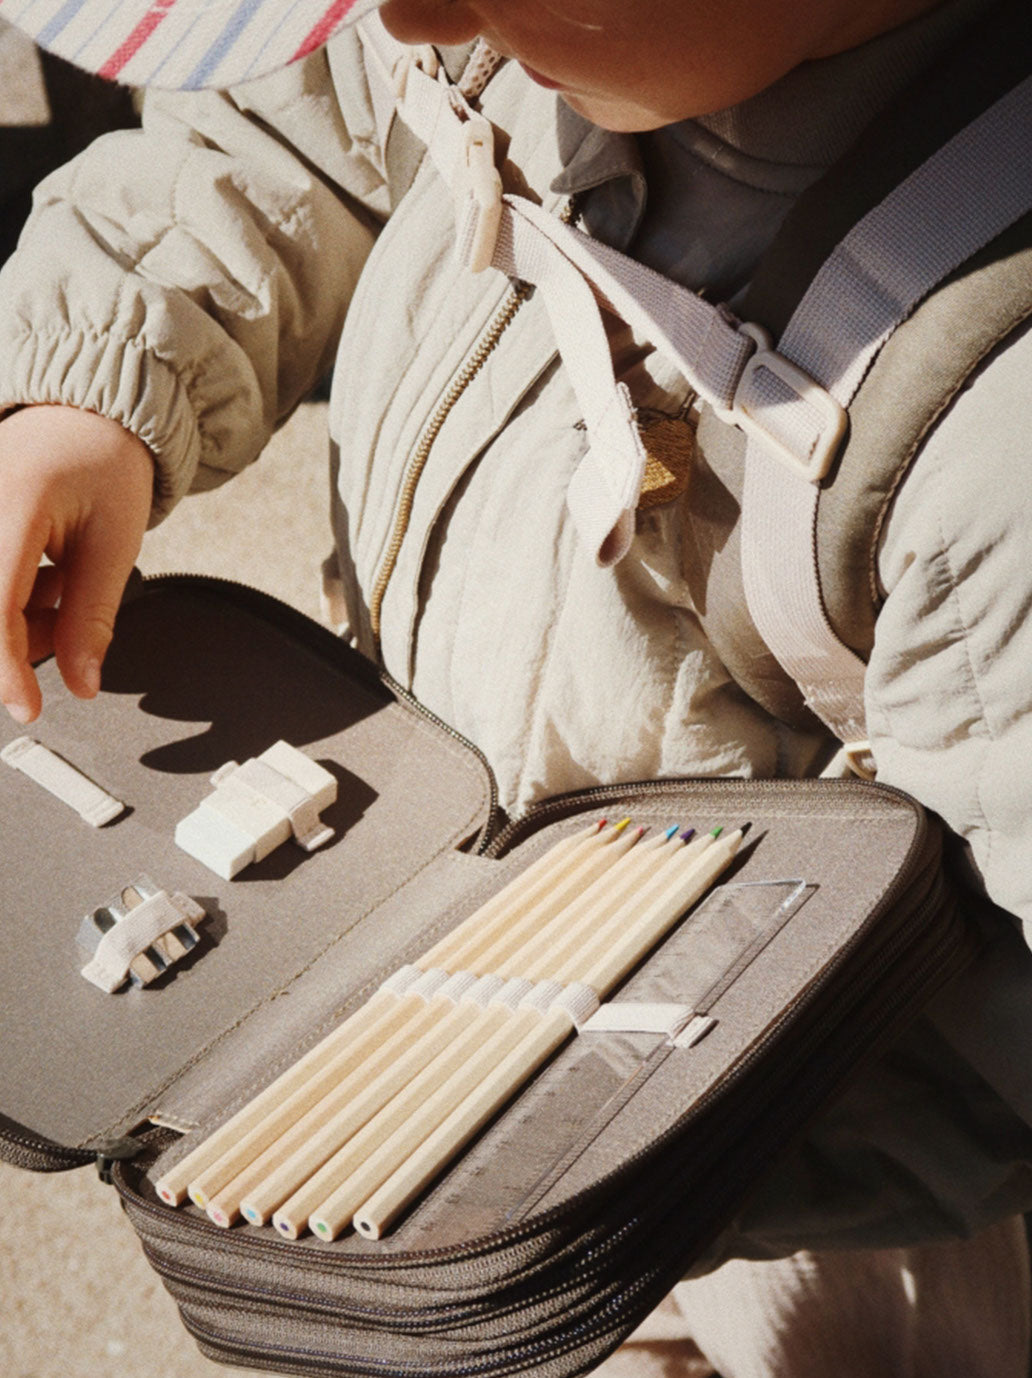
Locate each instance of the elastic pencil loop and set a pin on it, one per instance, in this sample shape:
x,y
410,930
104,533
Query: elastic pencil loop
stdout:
x,y
457,987
483,991
513,993
543,996
401,981
579,1001
429,983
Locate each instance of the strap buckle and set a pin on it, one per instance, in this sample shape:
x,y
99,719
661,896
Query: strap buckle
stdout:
x,y
478,189
771,383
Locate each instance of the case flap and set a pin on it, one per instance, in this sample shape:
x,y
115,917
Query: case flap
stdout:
x,y
218,673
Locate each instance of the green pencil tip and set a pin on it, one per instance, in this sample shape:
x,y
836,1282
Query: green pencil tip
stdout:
x,y
717,831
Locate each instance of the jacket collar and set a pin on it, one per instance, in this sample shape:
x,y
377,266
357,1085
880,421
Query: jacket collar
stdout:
x,y
607,170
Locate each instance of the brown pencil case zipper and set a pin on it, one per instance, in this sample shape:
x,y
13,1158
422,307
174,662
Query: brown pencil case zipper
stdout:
x,y
576,1208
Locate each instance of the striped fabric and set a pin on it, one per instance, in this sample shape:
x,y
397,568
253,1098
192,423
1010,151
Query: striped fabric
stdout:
x,y
182,44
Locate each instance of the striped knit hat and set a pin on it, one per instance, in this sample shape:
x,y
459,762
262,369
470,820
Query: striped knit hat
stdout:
x,y
182,44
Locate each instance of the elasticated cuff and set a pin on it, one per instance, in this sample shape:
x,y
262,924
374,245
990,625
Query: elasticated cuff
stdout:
x,y
117,379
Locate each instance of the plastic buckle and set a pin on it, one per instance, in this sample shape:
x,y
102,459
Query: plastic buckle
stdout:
x,y
834,419
479,189
112,1152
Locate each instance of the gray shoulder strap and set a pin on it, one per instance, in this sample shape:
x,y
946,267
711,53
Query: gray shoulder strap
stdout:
x,y
965,195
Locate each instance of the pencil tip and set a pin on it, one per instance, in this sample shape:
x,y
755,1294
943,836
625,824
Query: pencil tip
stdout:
x,y
688,834
743,828
621,825
717,831
671,830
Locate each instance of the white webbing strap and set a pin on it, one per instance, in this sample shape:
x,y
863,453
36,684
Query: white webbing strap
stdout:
x,y
955,203
63,780
576,275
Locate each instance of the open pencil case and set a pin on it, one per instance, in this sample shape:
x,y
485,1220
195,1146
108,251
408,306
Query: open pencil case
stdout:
x,y
574,1208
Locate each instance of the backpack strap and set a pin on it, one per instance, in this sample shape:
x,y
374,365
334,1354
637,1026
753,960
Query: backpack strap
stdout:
x,y
950,207
790,402
577,277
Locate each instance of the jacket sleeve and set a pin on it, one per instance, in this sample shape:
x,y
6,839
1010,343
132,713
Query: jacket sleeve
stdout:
x,y
190,279
949,683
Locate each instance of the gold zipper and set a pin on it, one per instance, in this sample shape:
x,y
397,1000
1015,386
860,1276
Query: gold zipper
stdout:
x,y
460,383
488,342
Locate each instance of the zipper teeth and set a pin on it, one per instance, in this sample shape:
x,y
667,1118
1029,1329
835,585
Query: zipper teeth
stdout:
x,y
490,826
561,805
520,1236
460,383
488,343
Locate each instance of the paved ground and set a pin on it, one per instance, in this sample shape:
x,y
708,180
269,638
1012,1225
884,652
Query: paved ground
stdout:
x,y
78,1298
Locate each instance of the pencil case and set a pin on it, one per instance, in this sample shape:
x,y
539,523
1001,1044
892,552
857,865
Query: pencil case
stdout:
x,y
576,1205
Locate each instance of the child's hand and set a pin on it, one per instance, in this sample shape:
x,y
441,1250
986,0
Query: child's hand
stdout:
x,y
76,487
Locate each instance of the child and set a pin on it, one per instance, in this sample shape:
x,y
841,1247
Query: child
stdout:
x,y
180,290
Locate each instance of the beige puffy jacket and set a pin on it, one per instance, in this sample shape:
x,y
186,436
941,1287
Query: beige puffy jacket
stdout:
x,y
199,298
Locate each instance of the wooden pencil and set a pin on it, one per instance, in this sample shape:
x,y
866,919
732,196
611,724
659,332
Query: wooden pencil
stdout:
x,y
274,1140
500,944
456,949
602,903
330,1199
290,1156
601,971
427,1100
369,1025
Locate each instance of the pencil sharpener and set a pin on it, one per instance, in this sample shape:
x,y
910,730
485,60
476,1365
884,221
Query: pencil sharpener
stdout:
x,y
137,934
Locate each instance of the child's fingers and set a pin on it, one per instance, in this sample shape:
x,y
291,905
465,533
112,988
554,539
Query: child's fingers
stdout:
x,y
40,626
21,550
94,576
46,590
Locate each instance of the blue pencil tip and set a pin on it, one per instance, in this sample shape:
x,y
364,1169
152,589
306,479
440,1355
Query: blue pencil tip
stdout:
x,y
671,830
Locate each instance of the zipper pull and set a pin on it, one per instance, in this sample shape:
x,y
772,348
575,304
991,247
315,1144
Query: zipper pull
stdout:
x,y
112,1151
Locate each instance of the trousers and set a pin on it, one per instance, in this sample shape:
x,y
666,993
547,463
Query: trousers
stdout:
x,y
959,1307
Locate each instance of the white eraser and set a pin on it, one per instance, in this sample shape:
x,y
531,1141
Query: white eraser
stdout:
x,y
313,778
216,841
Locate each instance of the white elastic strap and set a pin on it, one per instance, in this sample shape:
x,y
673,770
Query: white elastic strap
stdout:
x,y
576,275
484,990
121,944
62,780
457,986
400,982
542,996
512,992
428,983
578,1000
959,200
257,777
634,1016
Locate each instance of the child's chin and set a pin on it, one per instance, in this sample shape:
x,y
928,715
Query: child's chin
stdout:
x,y
615,114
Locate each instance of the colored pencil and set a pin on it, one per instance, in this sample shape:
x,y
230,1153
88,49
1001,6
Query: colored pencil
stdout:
x,y
370,1024
406,1164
